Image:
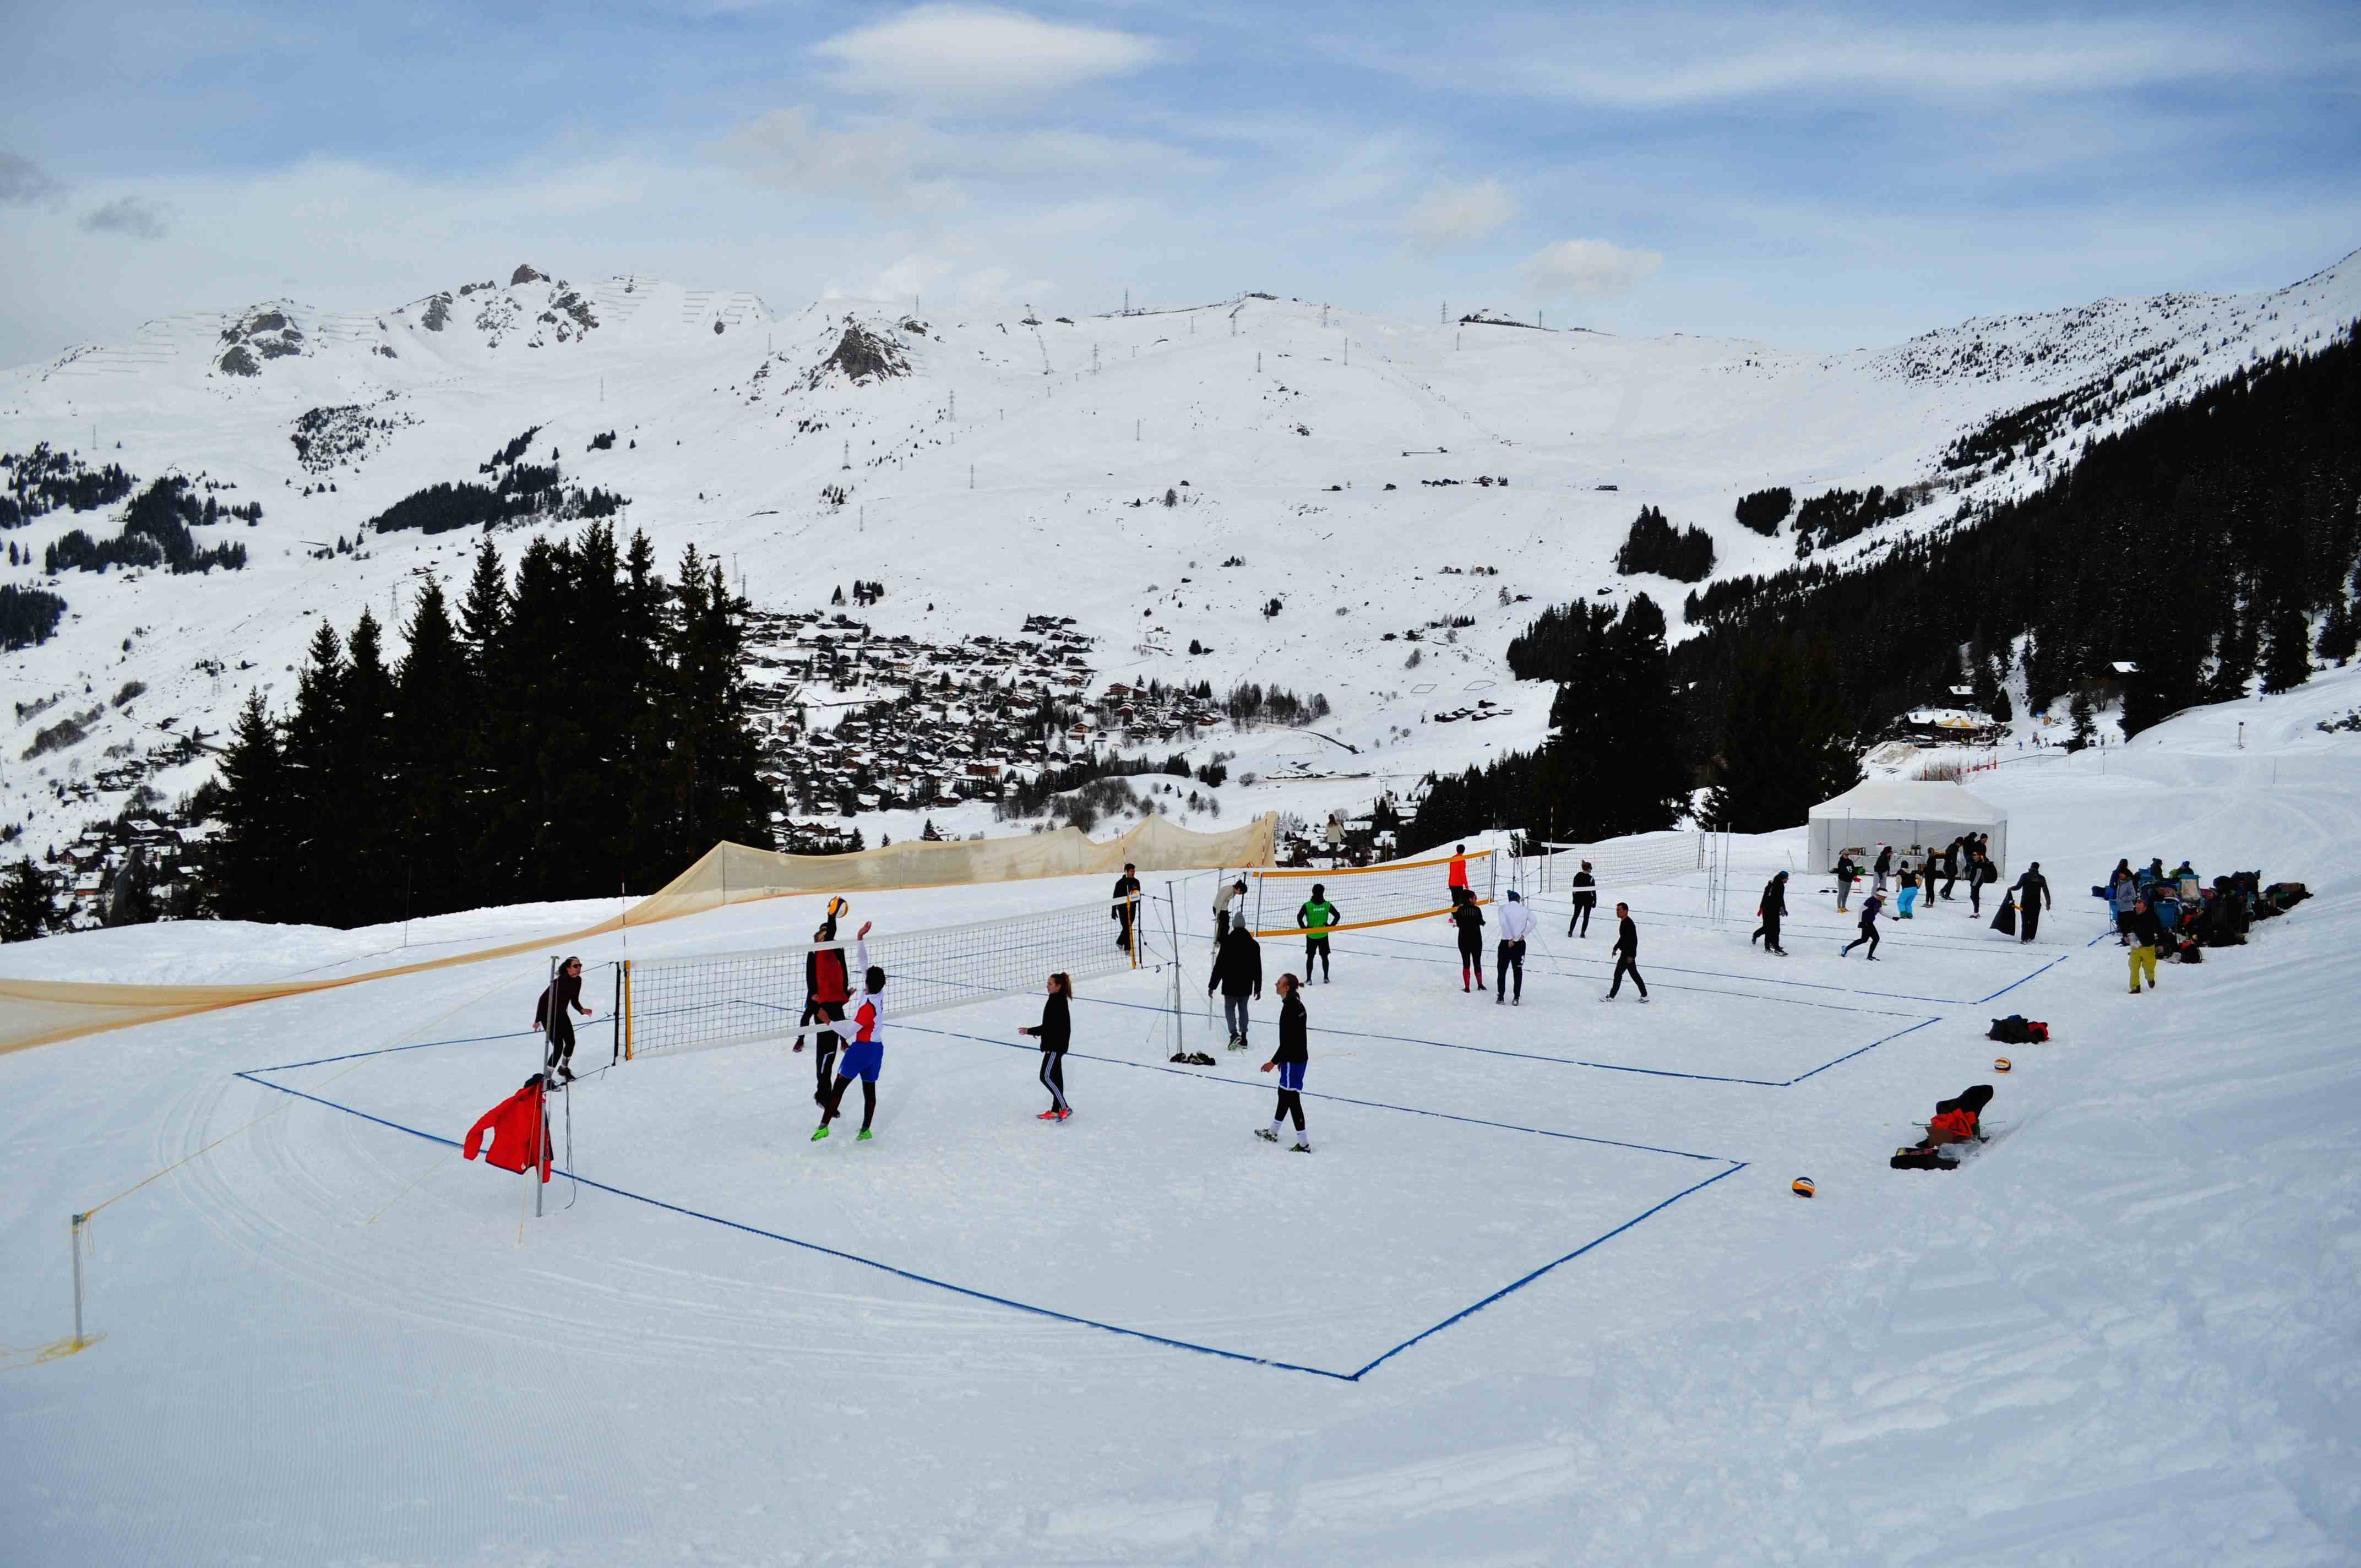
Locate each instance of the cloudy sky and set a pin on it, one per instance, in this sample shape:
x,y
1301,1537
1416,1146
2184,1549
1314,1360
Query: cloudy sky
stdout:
x,y
1821,178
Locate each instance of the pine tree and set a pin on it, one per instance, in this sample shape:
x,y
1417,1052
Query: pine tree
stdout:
x,y
1645,780
247,868
368,800
317,832
2288,664
434,740
1785,746
26,911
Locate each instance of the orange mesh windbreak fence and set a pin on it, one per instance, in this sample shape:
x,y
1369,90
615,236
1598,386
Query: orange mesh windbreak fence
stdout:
x,y
41,1012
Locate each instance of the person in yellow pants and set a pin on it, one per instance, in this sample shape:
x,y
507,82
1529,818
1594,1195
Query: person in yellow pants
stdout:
x,y
2146,931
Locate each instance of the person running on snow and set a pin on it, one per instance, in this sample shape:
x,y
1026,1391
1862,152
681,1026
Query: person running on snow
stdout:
x,y
1314,918
1223,897
1469,918
2146,932
864,1054
1056,1027
1869,910
2032,896
1627,954
827,987
1774,909
1516,925
568,989
1586,899
1910,894
1126,907
1458,875
1237,969
1292,1057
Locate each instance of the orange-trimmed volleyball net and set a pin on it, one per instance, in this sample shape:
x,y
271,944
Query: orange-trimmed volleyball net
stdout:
x,y
1363,896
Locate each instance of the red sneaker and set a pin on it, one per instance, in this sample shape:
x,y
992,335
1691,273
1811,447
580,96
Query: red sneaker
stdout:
x,y
1048,1116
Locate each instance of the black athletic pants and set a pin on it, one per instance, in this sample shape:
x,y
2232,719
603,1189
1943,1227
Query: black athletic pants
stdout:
x,y
1510,956
1769,932
836,1102
1315,948
823,1046
1623,966
2028,921
1582,908
1471,954
1290,1103
1869,935
1053,1078
561,1043
1976,897
1950,879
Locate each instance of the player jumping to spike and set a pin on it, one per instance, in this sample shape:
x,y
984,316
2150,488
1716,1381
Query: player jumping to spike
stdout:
x,y
1315,917
864,1055
1292,1057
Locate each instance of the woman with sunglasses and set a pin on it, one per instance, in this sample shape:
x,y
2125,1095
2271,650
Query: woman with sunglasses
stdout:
x,y
554,1021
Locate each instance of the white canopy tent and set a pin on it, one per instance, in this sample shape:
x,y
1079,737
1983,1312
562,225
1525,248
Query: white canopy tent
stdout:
x,y
1914,816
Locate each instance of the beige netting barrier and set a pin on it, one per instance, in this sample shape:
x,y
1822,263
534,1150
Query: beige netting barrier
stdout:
x,y
41,1012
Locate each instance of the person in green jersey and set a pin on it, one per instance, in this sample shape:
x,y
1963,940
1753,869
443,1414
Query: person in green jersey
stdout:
x,y
1317,917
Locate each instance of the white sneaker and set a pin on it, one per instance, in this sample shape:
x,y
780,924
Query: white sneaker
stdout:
x,y
1266,1134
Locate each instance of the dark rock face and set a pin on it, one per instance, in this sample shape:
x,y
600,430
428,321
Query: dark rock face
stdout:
x,y
239,362
438,313
256,336
862,355
524,275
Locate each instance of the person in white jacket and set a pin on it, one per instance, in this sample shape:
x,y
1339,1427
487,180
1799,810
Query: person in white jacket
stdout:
x,y
1516,925
864,1053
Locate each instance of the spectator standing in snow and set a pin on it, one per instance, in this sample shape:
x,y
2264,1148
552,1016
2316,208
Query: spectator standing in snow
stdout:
x,y
1469,918
2144,931
1846,875
1237,970
1869,910
551,1016
1883,869
1627,954
1586,899
1291,1059
1055,1031
1126,907
1774,909
2032,894
1516,925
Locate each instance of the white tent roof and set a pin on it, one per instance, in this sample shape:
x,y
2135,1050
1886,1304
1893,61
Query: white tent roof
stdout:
x,y
1914,799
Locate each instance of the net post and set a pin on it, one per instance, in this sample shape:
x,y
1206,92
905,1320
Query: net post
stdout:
x,y
79,1222
615,1022
627,1009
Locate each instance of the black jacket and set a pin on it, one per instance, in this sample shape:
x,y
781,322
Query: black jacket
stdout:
x,y
2145,927
1470,921
569,995
1774,897
1627,938
1885,859
1125,887
1586,890
1057,1022
1294,1031
1237,965
2030,886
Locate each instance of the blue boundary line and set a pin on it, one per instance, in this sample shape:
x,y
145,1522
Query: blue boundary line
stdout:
x,y
253,1076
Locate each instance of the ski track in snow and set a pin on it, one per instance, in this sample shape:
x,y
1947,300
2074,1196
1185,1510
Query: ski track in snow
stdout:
x,y
2126,1331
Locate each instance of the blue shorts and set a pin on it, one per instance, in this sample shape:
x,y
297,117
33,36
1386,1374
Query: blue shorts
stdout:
x,y
1291,1074
861,1059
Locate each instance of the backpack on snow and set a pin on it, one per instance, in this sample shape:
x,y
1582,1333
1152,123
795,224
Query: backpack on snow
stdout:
x,y
2018,1030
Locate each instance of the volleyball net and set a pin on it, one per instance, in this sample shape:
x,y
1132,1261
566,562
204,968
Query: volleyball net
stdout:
x,y
1363,896
669,1005
1616,862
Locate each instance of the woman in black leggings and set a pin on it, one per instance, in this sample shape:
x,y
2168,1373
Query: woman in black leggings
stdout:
x,y
1057,1026
551,1016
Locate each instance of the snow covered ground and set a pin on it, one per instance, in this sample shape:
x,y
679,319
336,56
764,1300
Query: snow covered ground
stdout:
x,y
1541,1294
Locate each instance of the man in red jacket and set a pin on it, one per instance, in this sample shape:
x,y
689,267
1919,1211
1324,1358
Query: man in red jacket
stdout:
x,y
519,1130
827,987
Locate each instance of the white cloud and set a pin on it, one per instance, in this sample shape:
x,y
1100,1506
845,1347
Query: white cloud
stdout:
x,y
22,182
1451,216
134,215
1589,268
882,157
964,54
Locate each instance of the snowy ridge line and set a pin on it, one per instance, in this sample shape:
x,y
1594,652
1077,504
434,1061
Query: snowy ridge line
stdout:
x,y
253,1076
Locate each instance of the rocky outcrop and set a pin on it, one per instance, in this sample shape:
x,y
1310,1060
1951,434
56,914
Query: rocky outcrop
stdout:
x,y
861,355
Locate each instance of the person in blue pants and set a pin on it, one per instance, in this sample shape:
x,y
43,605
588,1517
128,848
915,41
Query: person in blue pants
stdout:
x,y
1291,1057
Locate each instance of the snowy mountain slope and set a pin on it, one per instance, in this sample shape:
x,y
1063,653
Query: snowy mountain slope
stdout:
x,y
985,469
2126,1332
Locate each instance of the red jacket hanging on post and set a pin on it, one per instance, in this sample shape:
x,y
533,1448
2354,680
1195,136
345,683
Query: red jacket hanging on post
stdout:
x,y
515,1125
